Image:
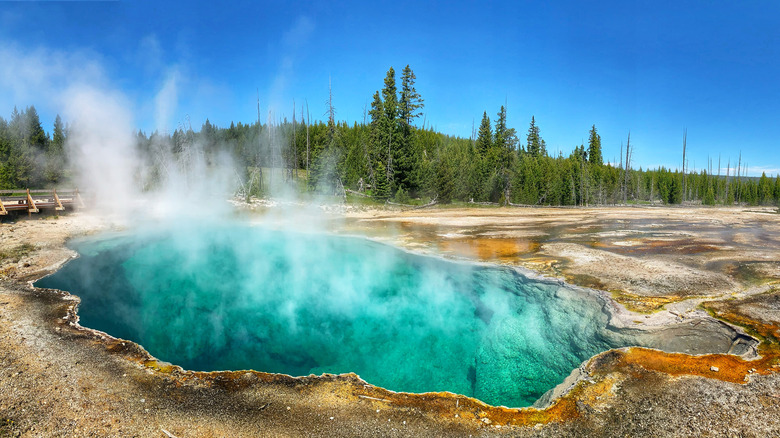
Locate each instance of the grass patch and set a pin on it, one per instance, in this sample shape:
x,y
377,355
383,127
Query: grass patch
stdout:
x,y
15,254
463,204
362,201
8,428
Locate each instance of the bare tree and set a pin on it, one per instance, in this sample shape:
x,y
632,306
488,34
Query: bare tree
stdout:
x,y
259,146
331,109
728,170
294,167
625,171
271,148
583,194
737,194
366,151
685,142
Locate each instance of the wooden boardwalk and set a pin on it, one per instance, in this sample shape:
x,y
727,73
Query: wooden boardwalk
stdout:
x,y
32,201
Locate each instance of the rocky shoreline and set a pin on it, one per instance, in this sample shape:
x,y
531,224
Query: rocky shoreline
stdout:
x,y
59,379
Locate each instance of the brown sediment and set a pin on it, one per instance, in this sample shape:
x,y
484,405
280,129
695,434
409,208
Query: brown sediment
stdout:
x,y
759,314
59,379
724,367
644,304
493,249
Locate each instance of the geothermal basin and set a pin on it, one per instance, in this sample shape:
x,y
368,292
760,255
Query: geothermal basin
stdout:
x,y
63,378
233,296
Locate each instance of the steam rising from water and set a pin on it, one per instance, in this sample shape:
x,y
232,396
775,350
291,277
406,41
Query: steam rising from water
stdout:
x,y
100,145
225,296
230,296
109,169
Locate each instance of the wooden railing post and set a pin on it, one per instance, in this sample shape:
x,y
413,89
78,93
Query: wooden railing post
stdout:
x,y
30,204
57,200
33,201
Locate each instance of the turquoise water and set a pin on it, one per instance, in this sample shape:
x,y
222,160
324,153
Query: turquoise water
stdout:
x,y
240,297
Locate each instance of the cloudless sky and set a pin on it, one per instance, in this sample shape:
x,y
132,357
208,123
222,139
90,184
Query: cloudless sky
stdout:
x,y
649,67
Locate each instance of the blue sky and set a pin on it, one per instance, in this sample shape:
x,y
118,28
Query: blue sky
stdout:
x,y
649,67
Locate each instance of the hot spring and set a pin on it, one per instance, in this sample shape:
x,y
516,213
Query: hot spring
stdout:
x,y
234,296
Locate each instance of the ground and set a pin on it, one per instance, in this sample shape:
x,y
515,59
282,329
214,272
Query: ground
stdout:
x,y
663,267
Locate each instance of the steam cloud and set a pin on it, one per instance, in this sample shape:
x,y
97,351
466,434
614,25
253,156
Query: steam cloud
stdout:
x,y
109,169
102,143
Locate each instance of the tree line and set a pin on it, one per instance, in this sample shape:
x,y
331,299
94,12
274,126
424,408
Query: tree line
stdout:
x,y
387,157
30,157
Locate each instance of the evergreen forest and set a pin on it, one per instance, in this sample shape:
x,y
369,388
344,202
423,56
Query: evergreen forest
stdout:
x,y
389,158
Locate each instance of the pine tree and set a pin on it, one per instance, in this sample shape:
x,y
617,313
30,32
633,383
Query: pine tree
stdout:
x,y
381,189
709,196
485,136
500,157
389,96
535,145
445,180
500,134
594,147
27,141
504,138
6,149
325,171
776,190
377,150
390,135
764,190
486,164
55,154
407,160
36,136
410,101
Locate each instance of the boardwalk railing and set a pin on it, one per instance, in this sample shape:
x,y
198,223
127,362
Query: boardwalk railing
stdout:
x,y
32,201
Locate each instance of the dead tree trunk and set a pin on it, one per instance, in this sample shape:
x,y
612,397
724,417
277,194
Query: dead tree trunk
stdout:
x,y
625,171
685,141
738,190
259,163
308,122
728,171
294,157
